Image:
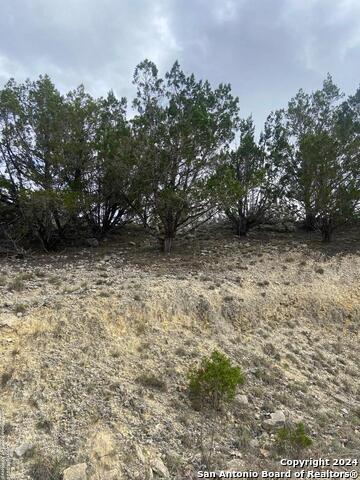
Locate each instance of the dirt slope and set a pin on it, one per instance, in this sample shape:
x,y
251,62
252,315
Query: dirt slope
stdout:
x,y
95,346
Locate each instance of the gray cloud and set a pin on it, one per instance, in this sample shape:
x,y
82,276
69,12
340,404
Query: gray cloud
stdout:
x,y
267,49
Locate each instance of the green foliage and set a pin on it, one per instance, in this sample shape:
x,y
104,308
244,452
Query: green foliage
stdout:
x,y
181,128
315,146
244,181
72,164
293,439
215,382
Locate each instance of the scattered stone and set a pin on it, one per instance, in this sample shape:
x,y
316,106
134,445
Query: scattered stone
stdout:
x,y
277,419
264,453
242,400
254,443
102,445
235,465
75,472
140,455
158,467
8,322
23,449
92,242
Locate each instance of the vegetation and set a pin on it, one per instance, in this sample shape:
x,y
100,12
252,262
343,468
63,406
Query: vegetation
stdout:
x,y
293,439
212,386
245,181
215,382
46,468
317,144
74,166
5,454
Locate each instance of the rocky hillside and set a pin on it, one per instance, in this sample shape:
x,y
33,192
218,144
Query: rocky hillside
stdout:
x,y
96,344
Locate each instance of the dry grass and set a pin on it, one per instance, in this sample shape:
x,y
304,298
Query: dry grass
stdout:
x,y
95,359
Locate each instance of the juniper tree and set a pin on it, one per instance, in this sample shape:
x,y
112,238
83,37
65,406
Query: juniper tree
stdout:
x,y
32,123
182,126
315,145
244,184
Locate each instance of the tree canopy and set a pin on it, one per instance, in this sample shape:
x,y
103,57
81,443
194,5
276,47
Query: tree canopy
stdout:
x,y
72,164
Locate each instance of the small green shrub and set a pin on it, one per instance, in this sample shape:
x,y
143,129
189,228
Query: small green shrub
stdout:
x,y
215,382
212,385
293,439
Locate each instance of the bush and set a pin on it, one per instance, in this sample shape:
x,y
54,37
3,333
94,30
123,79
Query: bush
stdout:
x,y
16,284
215,382
293,439
152,381
47,468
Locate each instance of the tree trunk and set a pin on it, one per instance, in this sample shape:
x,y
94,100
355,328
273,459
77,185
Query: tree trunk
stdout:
x,y
310,222
326,230
326,234
241,227
167,245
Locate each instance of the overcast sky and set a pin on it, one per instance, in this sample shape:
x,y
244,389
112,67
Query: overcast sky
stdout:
x,y
266,49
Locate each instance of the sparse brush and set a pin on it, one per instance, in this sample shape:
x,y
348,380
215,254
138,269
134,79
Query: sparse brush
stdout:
x,y
20,308
16,285
54,280
40,273
45,425
150,380
215,382
6,377
213,385
26,276
46,468
244,437
293,439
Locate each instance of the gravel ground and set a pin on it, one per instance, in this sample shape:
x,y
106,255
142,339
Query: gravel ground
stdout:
x,y
95,346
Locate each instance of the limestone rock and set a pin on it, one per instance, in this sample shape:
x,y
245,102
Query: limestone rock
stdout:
x,y
254,443
235,465
21,450
158,468
242,400
140,455
102,445
277,419
103,453
264,453
9,322
75,472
